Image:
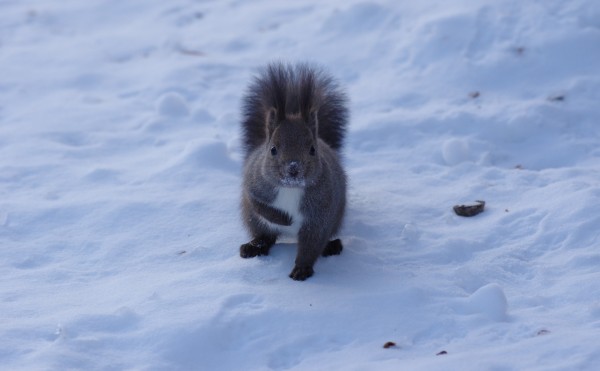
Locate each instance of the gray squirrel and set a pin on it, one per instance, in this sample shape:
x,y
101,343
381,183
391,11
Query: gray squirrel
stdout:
x,y
294,120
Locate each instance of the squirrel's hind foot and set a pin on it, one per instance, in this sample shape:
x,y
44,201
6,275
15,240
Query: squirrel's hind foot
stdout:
x,y
257,247
333,247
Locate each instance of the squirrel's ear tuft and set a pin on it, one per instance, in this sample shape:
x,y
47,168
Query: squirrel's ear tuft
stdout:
x,y
271,121
313,122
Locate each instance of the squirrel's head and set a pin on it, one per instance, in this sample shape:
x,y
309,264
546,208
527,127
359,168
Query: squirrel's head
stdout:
x,y
292,151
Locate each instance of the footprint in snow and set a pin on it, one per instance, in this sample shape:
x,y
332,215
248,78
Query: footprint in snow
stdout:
x,y
102,176
203,154
122,320
358,19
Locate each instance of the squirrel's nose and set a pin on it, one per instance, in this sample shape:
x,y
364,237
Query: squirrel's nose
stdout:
x,y
293,169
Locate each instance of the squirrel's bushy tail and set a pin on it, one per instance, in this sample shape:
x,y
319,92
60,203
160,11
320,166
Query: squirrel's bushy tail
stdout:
x,y
292,90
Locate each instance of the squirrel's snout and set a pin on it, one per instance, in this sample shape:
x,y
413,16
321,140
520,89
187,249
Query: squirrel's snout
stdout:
x,y
293,175
293,169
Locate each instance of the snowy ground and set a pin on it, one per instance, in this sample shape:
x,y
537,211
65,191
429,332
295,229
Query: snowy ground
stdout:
x,y
120,175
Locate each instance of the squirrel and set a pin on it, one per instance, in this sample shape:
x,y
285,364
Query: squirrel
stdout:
x,y
294,120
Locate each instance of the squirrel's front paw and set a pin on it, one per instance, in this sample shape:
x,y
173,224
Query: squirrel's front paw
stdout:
x,y
300,273
248,250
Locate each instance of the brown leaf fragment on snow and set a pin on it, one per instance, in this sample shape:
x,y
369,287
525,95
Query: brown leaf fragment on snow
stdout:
x,y
389,344
557,98
194,53
474,94
519,50
470,210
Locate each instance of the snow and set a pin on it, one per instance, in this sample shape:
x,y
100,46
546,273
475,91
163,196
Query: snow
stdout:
x,y
120,175
488,301
172,105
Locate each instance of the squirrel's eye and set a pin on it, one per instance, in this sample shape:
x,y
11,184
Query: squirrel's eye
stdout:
x,y
273,150
312,150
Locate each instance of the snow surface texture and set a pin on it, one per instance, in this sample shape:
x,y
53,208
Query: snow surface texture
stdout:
x,y
120,165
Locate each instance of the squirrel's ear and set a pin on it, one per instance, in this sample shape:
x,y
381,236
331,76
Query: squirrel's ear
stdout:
x,y
313,122
271,121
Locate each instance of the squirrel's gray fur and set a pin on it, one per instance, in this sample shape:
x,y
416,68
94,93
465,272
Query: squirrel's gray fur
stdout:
x,y
294,121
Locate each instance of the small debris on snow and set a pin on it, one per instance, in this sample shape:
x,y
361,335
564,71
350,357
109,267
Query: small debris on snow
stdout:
x,y
443,352
519,50
543,332
469,210
474,94
556,98
191,52
389,344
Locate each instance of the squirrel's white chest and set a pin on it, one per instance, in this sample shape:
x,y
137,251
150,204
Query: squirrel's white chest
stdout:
x,y
288,199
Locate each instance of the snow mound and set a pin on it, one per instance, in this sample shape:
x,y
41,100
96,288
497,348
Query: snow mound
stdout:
x,y
455,151
488,301
172,105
